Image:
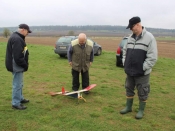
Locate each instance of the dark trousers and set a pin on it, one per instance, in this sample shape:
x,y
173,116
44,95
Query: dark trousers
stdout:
x,y
142,85
75,79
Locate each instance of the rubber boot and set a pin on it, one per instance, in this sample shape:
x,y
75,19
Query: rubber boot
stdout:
x,y
142,105
128,107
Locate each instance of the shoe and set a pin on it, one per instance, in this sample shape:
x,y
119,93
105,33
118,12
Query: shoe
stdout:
x,y
24,101
20,107
86,92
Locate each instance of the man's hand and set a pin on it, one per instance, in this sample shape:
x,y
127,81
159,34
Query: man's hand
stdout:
x,y
70,63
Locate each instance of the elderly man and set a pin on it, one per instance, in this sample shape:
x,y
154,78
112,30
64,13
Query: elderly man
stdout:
x,y
17,63
80,56
139,56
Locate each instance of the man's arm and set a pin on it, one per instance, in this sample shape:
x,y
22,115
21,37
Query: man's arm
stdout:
x,y
18,54
92,55
124,53
69,54
151,55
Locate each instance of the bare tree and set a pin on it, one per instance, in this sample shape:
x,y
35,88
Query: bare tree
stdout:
x,y
6,32
71,32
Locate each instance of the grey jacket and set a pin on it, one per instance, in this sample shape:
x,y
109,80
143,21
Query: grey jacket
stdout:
x,y
140,55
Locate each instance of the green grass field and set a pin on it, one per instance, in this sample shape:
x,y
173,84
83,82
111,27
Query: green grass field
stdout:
x,y
165,38
48,72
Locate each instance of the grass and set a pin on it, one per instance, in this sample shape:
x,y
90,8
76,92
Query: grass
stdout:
x,y
165,38
48,72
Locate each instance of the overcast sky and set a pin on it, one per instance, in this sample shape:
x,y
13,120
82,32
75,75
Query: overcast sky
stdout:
x,y
153,13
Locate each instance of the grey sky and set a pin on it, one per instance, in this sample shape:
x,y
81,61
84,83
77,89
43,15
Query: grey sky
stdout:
x,y
153,13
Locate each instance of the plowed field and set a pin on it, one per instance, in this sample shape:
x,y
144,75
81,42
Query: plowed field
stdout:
x,y
165,48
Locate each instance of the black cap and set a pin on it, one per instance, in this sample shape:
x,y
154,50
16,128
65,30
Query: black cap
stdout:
x,y
133,21
25,26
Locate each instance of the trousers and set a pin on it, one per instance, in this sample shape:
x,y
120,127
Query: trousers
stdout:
x,y
142,85
17,85
75,79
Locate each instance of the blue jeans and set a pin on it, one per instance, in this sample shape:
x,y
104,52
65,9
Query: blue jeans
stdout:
x,y
17,85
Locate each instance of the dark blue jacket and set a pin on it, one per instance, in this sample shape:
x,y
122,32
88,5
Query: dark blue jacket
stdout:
x,y
16,53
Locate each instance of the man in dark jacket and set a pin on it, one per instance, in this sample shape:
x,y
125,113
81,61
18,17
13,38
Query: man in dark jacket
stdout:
x,y
139,56
17,63
80,56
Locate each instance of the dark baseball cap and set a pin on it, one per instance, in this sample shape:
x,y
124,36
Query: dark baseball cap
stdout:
x,y
25,26
133,21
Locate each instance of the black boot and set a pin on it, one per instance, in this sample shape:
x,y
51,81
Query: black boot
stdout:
x,y
128,107
142,105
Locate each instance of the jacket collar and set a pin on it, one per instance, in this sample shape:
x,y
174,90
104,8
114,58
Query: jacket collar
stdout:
x,y
22,36
141,35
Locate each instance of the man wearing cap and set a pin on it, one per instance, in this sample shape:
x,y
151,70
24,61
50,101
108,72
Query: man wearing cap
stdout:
x,y
139,56
17,63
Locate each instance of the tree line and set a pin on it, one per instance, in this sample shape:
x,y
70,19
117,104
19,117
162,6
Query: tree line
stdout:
x,y
93,28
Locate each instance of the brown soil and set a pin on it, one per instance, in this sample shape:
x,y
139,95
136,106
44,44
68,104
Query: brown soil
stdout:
x,y
165,49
